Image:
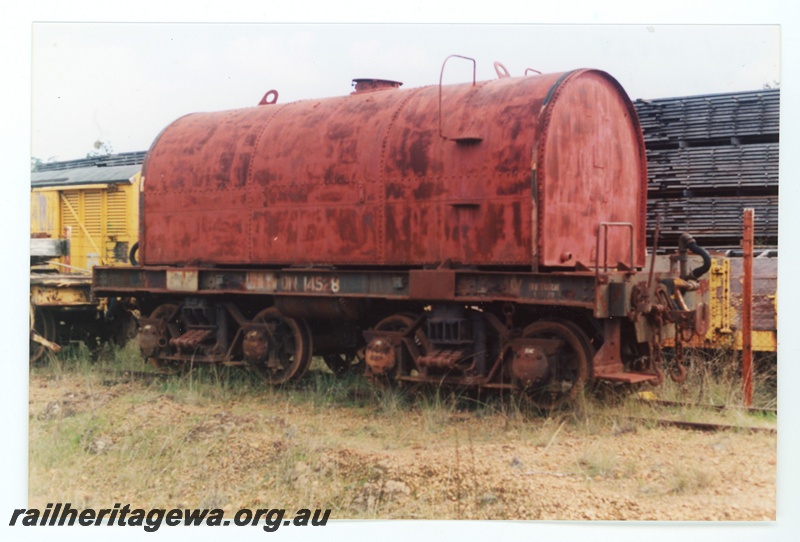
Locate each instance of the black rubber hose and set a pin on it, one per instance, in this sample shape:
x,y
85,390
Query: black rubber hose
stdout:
x,y
686,241
132,255
700,251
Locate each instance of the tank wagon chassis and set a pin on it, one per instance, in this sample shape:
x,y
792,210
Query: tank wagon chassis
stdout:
x,y
545,334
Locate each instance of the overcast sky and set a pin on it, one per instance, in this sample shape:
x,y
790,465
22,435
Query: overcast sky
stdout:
x,y
122,83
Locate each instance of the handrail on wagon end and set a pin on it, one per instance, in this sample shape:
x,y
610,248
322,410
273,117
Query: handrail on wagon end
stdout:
x,y
603,228
441,78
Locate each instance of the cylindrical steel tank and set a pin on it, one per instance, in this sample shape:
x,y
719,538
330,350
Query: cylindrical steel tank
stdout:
x,y
510,172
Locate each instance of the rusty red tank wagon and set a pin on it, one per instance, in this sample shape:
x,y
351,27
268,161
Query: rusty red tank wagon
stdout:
x,y
501,173
489,233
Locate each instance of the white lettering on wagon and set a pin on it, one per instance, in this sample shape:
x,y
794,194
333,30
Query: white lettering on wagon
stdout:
x,y
289,283
260,281
321,284
543,290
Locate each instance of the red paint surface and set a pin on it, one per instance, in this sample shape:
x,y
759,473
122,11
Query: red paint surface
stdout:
x,y
367,178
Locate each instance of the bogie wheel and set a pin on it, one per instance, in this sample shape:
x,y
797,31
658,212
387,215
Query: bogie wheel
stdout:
x,y
43,324
402,322
569,366
290,347
167,314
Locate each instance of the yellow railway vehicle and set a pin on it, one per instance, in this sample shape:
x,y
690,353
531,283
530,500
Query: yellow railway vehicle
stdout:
x,y
83,213
724,301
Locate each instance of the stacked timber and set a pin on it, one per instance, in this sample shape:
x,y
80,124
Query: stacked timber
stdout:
x,y
708,158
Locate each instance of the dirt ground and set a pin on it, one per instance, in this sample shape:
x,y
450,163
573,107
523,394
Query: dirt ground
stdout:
x,y
96,442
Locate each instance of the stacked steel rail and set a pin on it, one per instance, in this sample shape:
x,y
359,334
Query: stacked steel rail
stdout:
x,y
708,158
109,160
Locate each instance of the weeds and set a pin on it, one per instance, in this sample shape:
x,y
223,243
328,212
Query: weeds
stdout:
x,y
715,377
711,379
596,462
689,479
219,435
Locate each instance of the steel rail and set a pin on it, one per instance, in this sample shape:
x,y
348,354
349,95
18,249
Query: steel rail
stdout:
x,y
703,426
752,410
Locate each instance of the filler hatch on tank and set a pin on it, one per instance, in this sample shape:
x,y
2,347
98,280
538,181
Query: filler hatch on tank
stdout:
x,y
370,85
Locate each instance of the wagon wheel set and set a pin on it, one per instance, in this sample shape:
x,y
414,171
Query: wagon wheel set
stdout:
x,y
277,347
48,332
574,358
557,354
558,376
43,333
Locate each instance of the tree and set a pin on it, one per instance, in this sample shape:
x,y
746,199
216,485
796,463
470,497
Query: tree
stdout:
x,y
37,163
101,148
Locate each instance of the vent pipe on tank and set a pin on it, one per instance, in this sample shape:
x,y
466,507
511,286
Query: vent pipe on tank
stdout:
x,y
370,85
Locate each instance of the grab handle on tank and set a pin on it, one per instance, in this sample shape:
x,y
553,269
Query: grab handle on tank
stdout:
x,y
441,78
269,98
685,242
502,71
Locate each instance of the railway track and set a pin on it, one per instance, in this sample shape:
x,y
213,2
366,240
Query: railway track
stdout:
x,y
718,408
702,426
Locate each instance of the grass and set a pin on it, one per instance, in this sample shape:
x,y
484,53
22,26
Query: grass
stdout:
x,y
689,479
283,456
711,379
714,377
598,463
220,437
